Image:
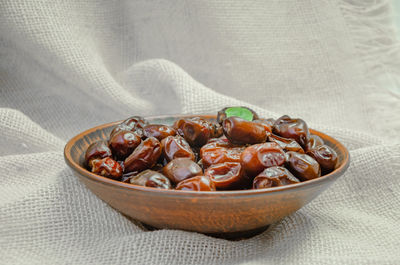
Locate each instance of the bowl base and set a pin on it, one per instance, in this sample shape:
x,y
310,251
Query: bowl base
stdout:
x,y
234,236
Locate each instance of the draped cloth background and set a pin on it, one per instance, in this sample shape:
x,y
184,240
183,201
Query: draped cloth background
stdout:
x,y
66,66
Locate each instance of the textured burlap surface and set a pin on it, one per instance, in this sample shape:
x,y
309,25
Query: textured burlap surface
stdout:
x,y
66,66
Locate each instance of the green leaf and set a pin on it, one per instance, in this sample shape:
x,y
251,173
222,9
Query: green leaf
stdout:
x,y
240,112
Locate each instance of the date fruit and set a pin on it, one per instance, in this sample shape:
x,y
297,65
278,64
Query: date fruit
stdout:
x,y
228,175
180,169
196,131
258,157
123,143
97,150
220,151
314,141
175,146
303,166
296,129
158,131
134,124
106,167
151,178
197,183
240,131
144,157
286,144
325,156
267,125
274,177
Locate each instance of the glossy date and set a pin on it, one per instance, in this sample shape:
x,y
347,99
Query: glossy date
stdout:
x,y
274,177
240,131
197,183
144,157
256,158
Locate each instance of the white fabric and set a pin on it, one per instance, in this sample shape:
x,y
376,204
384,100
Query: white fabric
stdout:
x,y
66,66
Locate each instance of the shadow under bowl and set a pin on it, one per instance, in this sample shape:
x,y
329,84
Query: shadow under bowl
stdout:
x,y
228,214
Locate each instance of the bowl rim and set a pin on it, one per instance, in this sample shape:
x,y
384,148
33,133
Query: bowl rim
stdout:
x,y
165,192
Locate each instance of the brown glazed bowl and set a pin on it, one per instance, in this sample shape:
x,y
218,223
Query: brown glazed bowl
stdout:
x,y
240,213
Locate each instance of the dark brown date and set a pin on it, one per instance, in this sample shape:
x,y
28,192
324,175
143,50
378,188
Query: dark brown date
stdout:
x,y
123,143
176,146
314,141
274,177
240,131
325,156
97,150
106,167
180,169
150,178
220,151
118,128
228,175
197,183
135,124
303,166
216,155
296,129
217,142
135,121
221,115
158,131
286,144
145,156
256,158
266,123
196,131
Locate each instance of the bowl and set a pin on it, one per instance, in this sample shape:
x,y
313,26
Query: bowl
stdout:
x,y
229,214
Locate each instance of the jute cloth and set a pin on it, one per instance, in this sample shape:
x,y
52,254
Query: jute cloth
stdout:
x,y
66,66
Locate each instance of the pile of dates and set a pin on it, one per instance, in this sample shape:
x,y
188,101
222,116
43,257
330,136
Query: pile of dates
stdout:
x,y
233,153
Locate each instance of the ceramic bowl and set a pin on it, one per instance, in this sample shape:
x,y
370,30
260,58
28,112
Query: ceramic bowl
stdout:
x,y
223,213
